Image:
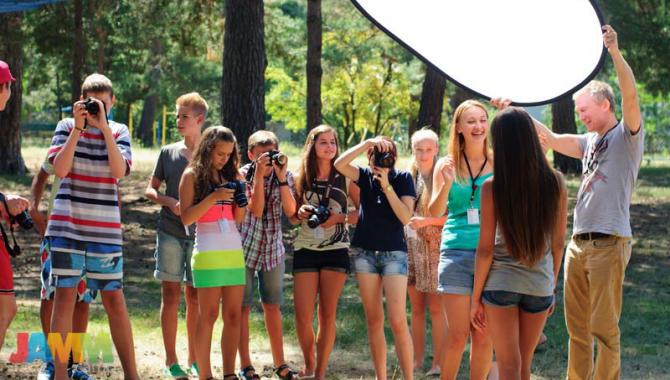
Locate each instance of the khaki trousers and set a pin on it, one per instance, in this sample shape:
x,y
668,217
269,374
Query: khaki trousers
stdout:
x,y
593,282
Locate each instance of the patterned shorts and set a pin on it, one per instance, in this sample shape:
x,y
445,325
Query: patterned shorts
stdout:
x,y
102,264
48,289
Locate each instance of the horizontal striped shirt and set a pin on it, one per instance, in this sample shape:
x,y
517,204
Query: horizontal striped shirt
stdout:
x,y
86,206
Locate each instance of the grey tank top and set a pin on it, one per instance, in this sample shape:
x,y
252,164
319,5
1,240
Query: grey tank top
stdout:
x,y
511,275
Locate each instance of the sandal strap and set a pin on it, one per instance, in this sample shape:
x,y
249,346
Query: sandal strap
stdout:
x,y
244,372
289,375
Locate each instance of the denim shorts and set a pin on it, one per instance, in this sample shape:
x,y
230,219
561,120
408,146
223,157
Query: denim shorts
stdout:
x,y
456,271
102,264
383,263
525,302
270,285
173,258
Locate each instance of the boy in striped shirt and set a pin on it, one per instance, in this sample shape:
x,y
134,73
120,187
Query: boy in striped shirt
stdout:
x,y
90,153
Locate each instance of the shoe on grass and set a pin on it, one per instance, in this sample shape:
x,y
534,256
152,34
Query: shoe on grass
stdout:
x,y
47,372
175,372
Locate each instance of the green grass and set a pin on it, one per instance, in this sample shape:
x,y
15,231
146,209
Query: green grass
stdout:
x,y
644,326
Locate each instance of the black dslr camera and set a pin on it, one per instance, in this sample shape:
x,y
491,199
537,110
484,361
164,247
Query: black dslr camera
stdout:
x,y
319,215
91,106
383,159
278,157
23,219
240,196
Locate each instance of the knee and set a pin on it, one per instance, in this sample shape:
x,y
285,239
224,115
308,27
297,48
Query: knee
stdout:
x,y
232,316
457,338
398,323
304,318
209,315
375,321
271,309
510,369
7,314
170,299
113,299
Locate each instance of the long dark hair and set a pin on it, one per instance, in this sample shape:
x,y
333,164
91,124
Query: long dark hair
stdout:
x,y
526,190
307,168
201,163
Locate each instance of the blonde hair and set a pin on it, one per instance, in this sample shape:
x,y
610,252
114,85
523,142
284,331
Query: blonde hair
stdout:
x,y
194,101
424,133
96,83
599,91
457,141
307,168
262,138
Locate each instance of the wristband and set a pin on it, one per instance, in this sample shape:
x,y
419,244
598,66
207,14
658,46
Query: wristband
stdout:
x,y
282,183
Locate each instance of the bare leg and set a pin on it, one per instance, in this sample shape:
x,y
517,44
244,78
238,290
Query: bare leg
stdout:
x,y
304,294
370,287
417,301
231,311
330,288
395,290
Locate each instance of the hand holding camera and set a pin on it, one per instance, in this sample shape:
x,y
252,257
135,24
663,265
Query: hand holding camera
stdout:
x,y
233,190
90,112
319,215
14,209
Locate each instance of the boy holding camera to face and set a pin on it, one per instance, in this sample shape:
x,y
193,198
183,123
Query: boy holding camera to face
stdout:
x,y
90,154
270,190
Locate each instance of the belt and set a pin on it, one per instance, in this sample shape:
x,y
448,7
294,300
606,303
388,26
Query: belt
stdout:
x,y
592,236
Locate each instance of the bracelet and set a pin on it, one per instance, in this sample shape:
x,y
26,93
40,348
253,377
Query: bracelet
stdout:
x,y
80,129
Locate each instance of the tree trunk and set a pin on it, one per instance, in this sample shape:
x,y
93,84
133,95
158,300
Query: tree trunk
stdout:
x,y
563,121
244,61
459,96
78,50
11,51
145,131
432,100
314,71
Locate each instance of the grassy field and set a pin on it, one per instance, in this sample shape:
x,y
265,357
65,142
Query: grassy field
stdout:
x,y
645,333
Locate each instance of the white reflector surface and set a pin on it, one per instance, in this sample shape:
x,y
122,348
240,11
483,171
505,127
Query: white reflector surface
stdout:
x,y
530,51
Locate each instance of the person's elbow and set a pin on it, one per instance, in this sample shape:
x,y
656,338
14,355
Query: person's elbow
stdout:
x,y
186,218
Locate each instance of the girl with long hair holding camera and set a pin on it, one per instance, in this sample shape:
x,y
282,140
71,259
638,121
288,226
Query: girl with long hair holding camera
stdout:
x,y
379,249
457,181
212,196
321,258
423,235
523,222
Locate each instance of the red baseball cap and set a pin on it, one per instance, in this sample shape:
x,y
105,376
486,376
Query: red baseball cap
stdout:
x,y
5,74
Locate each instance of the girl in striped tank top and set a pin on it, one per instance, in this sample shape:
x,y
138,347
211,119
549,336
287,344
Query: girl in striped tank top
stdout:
x,y
209,195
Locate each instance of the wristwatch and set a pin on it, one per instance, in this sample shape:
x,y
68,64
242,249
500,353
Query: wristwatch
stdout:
x,y
388,187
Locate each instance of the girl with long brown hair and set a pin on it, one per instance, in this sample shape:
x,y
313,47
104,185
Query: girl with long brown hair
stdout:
x,y
457,181
524,211
379,249
423,234
321,257
210,195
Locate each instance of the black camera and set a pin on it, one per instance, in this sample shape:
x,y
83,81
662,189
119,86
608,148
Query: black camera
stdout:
x,y
91,106
319,215
278,157
23,220
383,159
240,196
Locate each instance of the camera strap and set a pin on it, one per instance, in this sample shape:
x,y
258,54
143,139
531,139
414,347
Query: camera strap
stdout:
x,y
16,250
325,199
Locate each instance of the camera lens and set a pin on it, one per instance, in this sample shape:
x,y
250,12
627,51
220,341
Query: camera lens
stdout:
x,y
24,220
91,106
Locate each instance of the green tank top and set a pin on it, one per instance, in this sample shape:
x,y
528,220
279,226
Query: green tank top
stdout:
x,y
457,233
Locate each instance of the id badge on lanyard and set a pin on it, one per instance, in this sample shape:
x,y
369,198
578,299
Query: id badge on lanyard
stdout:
x,y
224,226
473,215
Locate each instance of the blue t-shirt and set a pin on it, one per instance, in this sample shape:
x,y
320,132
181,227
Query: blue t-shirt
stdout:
x,y
378,228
